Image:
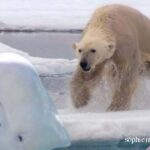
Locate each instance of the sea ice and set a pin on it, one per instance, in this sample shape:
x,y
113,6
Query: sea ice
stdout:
x,y
28,118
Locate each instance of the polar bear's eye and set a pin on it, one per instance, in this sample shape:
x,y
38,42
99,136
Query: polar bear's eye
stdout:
x,y
110,46
93,50
80,50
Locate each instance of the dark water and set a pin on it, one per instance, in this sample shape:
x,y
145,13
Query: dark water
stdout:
x,y
48,45
106,145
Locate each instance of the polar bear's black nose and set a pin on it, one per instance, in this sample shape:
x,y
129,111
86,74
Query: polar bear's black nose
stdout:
x,y
84,65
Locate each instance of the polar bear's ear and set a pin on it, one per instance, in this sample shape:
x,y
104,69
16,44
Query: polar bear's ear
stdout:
x,y
75,45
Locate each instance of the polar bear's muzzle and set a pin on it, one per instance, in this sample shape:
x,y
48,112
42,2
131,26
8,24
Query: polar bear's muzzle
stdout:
x,y
85,65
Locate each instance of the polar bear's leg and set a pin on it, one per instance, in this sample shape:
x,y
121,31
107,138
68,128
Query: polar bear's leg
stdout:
x,y
124,90
80,94
122,96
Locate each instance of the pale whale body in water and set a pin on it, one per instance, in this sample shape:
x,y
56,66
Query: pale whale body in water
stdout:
x,y
28,118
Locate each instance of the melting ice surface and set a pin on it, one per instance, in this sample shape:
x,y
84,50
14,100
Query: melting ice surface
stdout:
x,y
28,118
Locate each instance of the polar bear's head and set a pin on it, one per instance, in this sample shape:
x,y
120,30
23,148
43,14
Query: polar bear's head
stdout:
x,y
93,51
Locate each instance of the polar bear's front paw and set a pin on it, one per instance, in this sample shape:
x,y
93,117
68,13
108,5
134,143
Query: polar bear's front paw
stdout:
x,y
80,103
114,107
80,97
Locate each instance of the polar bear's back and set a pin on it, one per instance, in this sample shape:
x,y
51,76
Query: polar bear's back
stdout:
x,y
119,20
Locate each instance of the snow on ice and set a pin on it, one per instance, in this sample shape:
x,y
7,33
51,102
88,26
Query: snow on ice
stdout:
x,y
92,122
44,66
54,15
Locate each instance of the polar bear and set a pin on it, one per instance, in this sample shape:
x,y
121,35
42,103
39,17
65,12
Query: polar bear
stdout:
x,y
115,33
